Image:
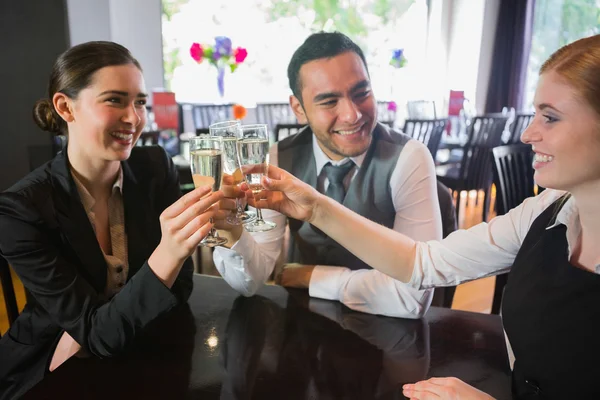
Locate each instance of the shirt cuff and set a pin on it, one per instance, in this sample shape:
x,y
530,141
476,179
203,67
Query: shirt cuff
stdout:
x,y
416,279
325,282
239,249
244,243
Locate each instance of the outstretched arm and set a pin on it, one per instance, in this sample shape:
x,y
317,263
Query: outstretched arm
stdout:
x,y
380,247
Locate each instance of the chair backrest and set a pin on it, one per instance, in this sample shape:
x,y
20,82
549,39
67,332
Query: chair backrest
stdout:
x,y
513,174
284,130
427,131
421,109
273,114
206,114
447,209
485,133
149,138
519,125
10,300
385,113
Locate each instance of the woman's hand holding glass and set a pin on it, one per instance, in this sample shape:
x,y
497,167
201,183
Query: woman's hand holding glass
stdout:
x,y
183,225
206,161
286,194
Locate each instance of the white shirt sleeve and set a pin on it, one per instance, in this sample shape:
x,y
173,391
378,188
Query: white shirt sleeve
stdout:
x,y
250,261
414,192
483,250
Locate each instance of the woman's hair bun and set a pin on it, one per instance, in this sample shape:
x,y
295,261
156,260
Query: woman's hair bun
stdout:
x,y
45,117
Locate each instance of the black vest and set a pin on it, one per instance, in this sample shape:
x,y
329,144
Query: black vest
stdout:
x,y
551,313
368,194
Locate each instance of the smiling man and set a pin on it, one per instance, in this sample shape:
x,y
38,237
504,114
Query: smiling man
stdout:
x,y
345,153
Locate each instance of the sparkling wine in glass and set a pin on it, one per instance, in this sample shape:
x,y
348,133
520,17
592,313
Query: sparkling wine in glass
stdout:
x,y
253,151
230,132
206,162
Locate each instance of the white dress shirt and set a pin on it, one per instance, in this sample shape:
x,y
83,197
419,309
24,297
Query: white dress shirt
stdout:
x,y
250,261
490,248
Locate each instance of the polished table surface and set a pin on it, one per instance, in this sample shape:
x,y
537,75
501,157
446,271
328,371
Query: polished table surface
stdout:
x,y
281,344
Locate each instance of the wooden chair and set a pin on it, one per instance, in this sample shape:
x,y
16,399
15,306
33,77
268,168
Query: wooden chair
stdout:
x,y
519,125
443,296
10,300
206,114
274,114
284,130
426,131
513,175
148,138
474,172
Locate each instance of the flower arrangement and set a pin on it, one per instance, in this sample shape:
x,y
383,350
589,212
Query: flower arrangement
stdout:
x,y
221,54
239,111
398,58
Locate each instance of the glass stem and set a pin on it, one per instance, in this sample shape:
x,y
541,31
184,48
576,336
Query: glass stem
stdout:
x,y
259,215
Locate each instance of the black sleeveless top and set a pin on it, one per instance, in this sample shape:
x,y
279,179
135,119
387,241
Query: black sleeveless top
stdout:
x,y
551,314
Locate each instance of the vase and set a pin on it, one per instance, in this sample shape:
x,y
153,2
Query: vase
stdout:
x,y
221,81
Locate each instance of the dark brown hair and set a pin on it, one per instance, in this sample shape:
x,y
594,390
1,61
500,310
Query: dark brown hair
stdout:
x,y
72,72
317,46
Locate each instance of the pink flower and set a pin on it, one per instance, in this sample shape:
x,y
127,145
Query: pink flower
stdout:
x,y
197,52
240,55
392,106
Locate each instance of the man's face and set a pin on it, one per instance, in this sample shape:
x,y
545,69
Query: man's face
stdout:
x,y
338,104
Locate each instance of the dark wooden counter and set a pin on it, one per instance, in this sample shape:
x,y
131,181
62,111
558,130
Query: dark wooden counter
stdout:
x,y
280,344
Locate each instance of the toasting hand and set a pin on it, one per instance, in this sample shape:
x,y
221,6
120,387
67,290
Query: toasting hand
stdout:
x,y
228,207
286,194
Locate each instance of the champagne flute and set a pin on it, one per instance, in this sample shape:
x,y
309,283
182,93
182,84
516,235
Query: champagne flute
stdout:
x,y
230,132
206,162
253,150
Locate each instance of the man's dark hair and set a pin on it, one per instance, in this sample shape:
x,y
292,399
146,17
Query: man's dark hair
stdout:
x,y
316,46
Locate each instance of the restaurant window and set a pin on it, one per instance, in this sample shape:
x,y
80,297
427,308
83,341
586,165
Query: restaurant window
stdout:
x,y
271,30
558,23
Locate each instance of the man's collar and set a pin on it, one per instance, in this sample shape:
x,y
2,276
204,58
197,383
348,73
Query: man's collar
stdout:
x,y
321,159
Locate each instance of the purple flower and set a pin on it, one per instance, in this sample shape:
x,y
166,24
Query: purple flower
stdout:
x,y
398,58
223,45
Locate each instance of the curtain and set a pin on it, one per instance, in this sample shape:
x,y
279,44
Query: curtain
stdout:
x,y
512,45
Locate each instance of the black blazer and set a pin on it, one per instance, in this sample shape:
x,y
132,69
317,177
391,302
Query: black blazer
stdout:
x,y
45,234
